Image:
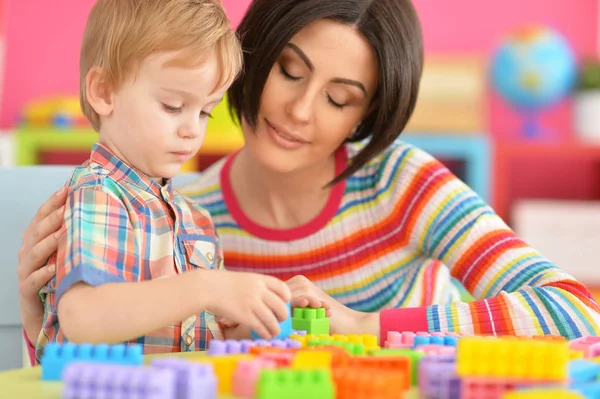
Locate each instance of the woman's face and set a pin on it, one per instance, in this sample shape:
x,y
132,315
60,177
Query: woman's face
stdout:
x,y
319,89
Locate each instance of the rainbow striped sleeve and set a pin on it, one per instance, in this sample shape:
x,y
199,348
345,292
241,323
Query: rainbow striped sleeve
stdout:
x,y
517,290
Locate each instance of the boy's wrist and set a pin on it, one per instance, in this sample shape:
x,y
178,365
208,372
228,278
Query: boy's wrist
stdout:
x,y
202,288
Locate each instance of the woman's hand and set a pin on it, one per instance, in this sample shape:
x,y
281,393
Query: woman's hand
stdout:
x,y
343,320
40,240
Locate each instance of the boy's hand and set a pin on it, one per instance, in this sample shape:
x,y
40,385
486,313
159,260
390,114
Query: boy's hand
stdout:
x,y
254,300
225,322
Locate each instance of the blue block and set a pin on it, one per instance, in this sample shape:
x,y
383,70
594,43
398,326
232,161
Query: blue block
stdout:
x,y
435,340
450,341
58,356
421,340
590,390
285,327
581,371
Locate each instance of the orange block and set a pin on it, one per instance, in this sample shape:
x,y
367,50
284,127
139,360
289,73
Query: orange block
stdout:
x,y
397,365
259,350
355,383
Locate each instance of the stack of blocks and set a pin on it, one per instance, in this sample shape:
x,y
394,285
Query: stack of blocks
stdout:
x,y
310,363
313,321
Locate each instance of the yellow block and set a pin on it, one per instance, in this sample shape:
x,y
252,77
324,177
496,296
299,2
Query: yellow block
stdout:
x,y
574,355
299,338
511,357
312,359
543,394
224,367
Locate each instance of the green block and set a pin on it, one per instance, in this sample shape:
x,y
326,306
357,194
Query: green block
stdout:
x,y
295,384
413,356
313,321
351,348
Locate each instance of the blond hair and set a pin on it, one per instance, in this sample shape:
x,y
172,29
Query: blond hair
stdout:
x,y
122,33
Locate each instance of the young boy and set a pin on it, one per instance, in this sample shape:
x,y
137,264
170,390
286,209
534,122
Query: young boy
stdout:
x,y
138,262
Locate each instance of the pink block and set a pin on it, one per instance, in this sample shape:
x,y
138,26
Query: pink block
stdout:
x,y
245,376
436,350
590,346
398,340
494,387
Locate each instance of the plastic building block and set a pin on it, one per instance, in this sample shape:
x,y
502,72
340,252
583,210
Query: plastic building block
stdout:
x,y
575,355
287,343
410,340
399,365
437,378
339,356
590,390
495,387
517,358
354,383
57,356
310,320
413,357
246,375
283,359
299,332
436,350
582,371
224,367
353,349
543,393
285,327
312,360
295,384
192,380
303,339
590,346
97,380
261,350
230,347
369,341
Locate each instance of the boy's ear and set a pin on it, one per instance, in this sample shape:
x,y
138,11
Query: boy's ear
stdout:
x,y
99,91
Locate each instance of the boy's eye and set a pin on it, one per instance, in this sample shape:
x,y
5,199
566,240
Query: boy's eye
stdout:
x,y
205,114
171,109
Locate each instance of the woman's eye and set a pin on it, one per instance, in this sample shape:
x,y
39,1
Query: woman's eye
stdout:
x,y
335,104
285,73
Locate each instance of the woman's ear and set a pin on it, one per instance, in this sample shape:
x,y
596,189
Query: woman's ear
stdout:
x,y
99,91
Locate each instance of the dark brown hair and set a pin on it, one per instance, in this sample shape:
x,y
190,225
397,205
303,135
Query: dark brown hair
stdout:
x,y
390,26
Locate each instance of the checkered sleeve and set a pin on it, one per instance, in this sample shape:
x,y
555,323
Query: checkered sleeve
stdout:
x,y
99,245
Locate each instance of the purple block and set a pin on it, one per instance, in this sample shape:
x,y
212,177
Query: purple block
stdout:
x,y
438,379
229,347
302,333
293,344
99,381
193,380
226,347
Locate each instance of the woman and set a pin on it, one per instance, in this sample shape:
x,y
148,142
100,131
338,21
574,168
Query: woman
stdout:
x,y
324,196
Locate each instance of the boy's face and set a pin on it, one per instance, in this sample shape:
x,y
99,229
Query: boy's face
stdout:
x,y
159,116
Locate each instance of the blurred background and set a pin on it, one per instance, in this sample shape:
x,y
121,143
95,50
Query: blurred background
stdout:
x,y
510,101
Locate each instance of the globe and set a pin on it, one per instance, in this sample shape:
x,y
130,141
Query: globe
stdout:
x,y
533,68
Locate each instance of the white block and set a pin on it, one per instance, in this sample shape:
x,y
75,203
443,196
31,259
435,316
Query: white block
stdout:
x,y
565,232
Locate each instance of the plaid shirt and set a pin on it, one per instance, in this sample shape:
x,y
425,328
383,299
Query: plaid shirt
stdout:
x,y
122,226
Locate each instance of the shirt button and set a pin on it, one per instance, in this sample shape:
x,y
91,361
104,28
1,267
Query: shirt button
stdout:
x,y
209,256
188,340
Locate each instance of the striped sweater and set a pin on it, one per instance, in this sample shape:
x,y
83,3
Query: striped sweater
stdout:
x,y
399,236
